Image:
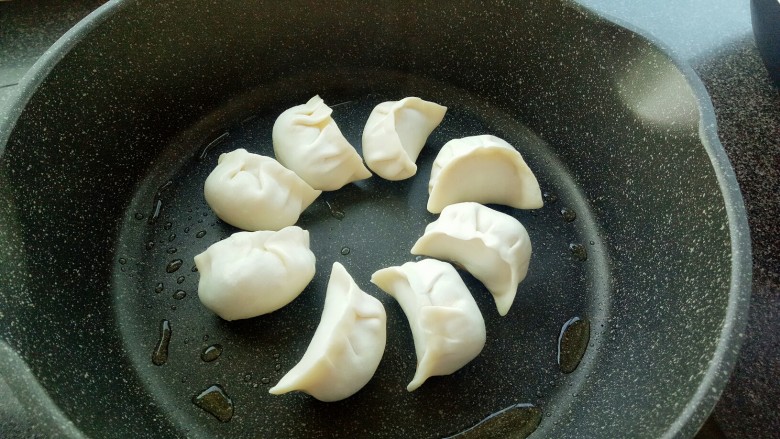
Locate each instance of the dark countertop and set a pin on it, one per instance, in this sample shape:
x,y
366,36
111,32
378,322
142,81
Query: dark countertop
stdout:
x,y
715,37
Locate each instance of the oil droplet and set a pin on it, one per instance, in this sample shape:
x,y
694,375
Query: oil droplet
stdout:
x,y
345,251
335,212
186,230
139,216
549,197
209,146
180,280
579,252
568,214
200,234
157,205
171,250
122,261
517,421
159,288
265,380
216,402
150,245
277,367
160,354
194,268
171,237
173,307
572,343
211,353
173,265
592,243
180,294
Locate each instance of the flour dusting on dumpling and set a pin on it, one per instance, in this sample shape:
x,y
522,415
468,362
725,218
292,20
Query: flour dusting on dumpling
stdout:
x,y
308,141
494,247
396,132
447,326
347,346
253,273
255,192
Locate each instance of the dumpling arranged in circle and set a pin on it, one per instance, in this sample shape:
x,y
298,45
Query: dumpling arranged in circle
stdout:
x,y
447,326
494,247
484,169
308,141
255,192
396,132
347,346
253,273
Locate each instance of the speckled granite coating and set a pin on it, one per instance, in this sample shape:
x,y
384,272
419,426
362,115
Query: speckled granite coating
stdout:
x,y
748,110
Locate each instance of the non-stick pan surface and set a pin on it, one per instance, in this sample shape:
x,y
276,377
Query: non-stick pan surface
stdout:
x,y
642,233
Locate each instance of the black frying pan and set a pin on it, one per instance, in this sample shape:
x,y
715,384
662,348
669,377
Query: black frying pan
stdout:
x,y
104,157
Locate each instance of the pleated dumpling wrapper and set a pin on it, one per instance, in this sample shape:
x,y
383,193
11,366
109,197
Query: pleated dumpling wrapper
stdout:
x,y
347,345
447,326
396,132
255,192
253,273
494,247
308,141
484,169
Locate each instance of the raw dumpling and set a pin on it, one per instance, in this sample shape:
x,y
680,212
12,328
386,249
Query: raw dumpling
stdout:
x,y
395,134
492,246
347,345
254,192
253,273
447,326
308,141
484,169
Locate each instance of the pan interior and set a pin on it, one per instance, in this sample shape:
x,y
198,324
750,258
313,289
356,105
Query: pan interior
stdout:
x,y
366,226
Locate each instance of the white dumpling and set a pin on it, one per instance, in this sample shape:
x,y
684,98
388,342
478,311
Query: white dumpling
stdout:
x,y
255,192
253,273
347,346
492,246
395,134
447,326
308,141
484,169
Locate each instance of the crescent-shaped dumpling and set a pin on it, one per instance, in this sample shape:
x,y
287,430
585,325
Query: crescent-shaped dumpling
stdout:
x,y
308,141
396,132
447,326
492,246
253,273
254,192
347,345
484,169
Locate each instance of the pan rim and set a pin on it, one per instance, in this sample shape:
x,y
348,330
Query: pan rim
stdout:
x,y
731,336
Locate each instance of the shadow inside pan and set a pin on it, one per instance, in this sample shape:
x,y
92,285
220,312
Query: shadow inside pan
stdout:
x,y
366,226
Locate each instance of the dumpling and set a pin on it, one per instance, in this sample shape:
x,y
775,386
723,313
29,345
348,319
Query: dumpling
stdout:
x,y
395,134
347,345
308,141
447,326
492,246
484,169
254,192
253,273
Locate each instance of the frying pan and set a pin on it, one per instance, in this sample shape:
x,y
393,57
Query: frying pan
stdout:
x,y
643,234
